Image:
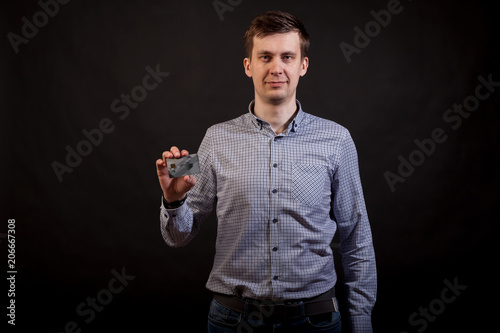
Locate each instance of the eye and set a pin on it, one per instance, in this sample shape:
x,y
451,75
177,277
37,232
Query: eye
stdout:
x,y
265,58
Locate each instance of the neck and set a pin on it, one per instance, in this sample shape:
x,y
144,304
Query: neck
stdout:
x,y
278,116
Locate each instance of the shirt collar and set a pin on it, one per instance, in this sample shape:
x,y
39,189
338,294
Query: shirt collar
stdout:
x,y
292,127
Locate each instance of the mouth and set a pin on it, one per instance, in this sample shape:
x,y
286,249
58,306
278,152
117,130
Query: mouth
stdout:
x,y
276,83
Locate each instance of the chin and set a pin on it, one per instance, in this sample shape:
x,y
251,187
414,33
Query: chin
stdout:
x,y
277,98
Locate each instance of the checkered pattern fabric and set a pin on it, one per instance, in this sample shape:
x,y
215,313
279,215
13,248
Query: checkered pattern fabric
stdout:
x,y
279,200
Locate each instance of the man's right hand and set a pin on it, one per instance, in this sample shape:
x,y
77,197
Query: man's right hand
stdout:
x,y
174,189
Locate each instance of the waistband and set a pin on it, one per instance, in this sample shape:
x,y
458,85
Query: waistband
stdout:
x,y
284,310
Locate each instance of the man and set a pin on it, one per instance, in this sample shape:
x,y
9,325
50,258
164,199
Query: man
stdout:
x,y
282,182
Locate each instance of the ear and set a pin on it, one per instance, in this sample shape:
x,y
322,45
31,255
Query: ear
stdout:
x,y
246,65
304,66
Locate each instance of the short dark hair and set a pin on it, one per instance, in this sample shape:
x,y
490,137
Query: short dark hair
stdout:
x,y
275,22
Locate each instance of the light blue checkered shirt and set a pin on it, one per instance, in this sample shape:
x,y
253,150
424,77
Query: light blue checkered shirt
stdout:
x,y
279,200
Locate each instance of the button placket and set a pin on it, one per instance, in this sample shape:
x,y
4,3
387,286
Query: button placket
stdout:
x,y
274,228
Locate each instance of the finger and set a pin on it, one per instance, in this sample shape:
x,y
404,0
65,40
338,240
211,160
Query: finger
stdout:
x,y
161,168
160,164
165,155
184,152
175,151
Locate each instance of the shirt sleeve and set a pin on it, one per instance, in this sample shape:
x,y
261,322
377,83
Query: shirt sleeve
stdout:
x,y
356,246
180,225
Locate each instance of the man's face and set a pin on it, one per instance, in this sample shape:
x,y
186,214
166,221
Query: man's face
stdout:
x,y
276,66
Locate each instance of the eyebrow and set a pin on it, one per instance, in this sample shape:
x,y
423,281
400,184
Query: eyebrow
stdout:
x,y
286,53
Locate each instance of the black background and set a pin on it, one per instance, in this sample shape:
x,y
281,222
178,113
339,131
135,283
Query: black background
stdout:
x,y
437,225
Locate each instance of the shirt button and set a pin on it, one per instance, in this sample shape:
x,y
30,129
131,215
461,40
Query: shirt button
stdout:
x,y
275,165
275,278
274,190
275,248
275,220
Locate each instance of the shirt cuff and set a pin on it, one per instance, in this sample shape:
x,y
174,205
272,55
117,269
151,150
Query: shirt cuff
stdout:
x,y
173,205
361,324
176,214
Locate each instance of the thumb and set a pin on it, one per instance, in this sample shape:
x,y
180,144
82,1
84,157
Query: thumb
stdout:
x,y
190,182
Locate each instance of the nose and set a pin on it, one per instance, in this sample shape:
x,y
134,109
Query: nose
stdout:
x,y
276,68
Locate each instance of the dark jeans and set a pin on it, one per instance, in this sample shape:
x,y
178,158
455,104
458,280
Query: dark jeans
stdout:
x,y
224,320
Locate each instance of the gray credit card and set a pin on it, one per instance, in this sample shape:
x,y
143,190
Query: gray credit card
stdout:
x,y
187,165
